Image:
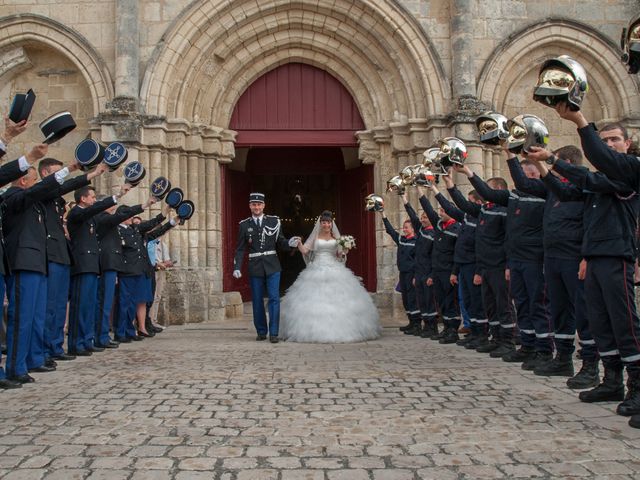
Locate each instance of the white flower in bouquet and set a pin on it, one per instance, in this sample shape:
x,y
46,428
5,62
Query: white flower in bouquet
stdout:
x,y
346,243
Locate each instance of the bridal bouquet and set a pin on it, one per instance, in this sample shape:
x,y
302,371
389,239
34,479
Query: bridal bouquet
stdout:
x,y
346,243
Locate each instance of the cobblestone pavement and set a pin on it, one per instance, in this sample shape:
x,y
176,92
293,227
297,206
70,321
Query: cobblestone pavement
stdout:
x,y
208,402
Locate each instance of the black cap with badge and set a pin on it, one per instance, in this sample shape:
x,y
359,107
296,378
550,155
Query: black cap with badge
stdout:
x,y
134,172
21,106
89,153
115,155
57,126
174,197
185,211
160,187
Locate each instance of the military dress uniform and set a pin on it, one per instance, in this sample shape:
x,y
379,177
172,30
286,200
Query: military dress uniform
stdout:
x,y
82,228
262,238
59,269
132,285
8,173
110,246
26,245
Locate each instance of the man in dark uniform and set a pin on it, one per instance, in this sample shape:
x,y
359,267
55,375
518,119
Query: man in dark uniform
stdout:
x,y
262,235
111,262
59,261
610,250
26,242
85,269
8,173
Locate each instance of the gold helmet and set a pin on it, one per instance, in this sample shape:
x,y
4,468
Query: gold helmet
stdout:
x,y
492,127
394,184
452,150
526,131
561,79
630,44
373,203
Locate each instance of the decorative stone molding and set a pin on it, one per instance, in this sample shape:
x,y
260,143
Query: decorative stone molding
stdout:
x,y
13,61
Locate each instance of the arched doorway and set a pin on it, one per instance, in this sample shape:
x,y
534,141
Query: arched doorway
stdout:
x,y
296,143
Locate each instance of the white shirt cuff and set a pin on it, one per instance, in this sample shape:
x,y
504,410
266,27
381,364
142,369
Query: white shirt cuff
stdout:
x,y
24,165
61,175
173,222
3,147
115,199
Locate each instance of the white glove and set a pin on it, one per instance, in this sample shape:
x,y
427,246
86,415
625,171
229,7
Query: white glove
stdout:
x,y
293,242
237,274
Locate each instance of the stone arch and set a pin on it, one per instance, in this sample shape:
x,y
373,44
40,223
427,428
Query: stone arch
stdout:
x,y
24,28
215,50
613,92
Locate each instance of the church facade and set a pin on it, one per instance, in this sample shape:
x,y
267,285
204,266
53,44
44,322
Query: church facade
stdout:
x,y
314,102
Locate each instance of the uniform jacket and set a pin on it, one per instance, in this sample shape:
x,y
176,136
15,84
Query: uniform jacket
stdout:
x,y
58,248
610,210
446,237
8,173
406,256
524,220
24,225
465,252
134,251
262,244
109,241
424,243
490,232
81,225
562,228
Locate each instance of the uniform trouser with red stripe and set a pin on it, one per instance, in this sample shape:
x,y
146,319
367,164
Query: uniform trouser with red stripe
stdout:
x,y
408,292
426,300
611,310
528,291
497,303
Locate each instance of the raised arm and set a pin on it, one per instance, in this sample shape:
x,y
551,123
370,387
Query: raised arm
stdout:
x,y
413,216
395,236
431,213
463,204
586,180
532,186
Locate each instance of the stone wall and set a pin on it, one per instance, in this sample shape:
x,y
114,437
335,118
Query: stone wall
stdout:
x,y
166,84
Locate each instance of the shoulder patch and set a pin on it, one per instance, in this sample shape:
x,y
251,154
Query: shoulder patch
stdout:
x,y
244,220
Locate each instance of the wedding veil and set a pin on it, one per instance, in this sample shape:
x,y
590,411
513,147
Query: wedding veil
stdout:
x,y
313,237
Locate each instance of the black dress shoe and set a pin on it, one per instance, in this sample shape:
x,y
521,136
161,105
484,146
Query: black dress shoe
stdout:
x,y
42,369
260,338
123,340
145,334
6,384
26,378
273,338
136,338
64,357
82,353
108,345
50,362
95,349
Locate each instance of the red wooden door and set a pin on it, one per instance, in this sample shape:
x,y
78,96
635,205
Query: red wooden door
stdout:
x,y
354,185
235,207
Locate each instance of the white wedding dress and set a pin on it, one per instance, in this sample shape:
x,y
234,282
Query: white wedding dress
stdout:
x,y
327,303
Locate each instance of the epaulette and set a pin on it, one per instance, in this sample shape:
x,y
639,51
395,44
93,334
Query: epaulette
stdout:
x,y
271,216
244,220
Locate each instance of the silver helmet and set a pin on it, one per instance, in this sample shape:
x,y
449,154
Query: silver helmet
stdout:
x,y
630,44
373,203
526,131
394,184
561,79
492,127
452,150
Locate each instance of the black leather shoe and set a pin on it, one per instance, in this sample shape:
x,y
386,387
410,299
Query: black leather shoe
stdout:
x,y
82,353
123,340
108,345
273,338
6,384
42,369
136,338
260,338
95,349
64,357
50,362
634,421
26,378
145,334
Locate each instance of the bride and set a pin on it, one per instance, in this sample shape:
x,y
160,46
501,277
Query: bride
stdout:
x,y
327,303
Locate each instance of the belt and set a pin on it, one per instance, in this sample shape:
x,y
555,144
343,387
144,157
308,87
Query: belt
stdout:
x,y
260,254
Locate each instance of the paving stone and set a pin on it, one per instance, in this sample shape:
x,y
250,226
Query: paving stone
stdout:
x,y
67,474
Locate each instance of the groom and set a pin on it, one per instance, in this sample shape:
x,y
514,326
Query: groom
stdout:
x,y
261,233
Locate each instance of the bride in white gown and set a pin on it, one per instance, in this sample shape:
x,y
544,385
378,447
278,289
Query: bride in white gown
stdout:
x,y
327,303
